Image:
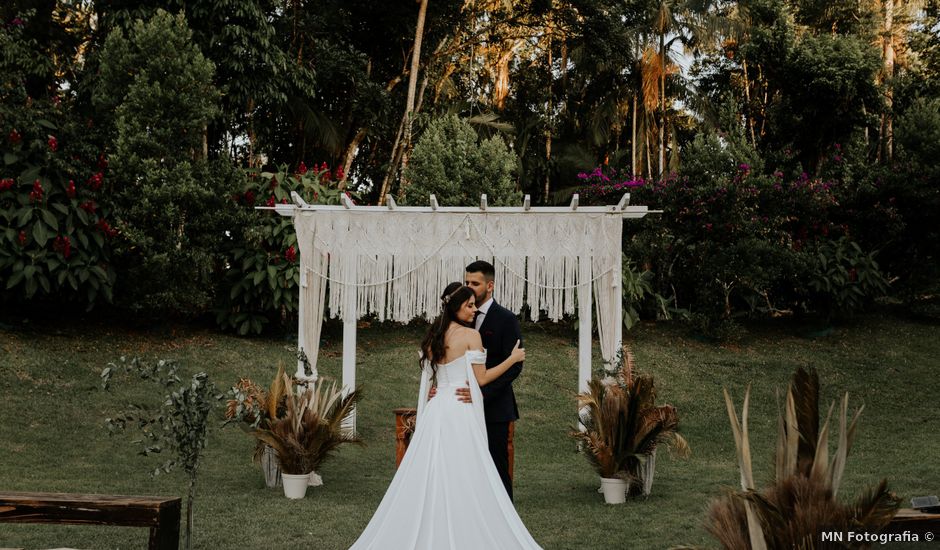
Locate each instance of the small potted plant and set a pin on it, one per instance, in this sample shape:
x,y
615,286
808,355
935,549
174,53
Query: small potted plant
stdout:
x,y
622,429
251,406
310,430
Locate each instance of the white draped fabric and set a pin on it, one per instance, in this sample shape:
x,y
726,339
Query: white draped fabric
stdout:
x,y
397,262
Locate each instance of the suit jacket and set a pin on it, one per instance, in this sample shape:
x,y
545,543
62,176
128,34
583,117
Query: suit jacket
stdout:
x,y
499,332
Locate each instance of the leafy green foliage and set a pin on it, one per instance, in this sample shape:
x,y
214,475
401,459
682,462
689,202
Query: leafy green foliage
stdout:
x,y
844,277
173,214
55,233
262,278
178,427
451,162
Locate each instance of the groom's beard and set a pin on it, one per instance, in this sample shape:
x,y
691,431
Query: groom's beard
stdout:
x,y
481,297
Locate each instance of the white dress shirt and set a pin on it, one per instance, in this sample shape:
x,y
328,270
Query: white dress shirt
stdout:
x,y
482,309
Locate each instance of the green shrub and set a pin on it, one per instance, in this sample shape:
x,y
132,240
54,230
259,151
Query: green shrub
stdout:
x,y
451,162
55,216
262,276
172,203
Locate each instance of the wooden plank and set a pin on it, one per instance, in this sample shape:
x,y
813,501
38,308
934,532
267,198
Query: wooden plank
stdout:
x,y
78,509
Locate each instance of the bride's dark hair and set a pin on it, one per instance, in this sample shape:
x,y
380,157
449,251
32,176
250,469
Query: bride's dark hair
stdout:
x,y
432,347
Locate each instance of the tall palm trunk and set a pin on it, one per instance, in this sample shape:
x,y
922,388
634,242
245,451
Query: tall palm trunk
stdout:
x,y
633,140
889,77
662,103
412,87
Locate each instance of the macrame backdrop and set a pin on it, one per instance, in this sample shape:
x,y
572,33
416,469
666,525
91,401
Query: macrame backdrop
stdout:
x,y
398,262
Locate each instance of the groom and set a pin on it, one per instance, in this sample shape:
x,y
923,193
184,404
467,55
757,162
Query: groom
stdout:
x,y
499,330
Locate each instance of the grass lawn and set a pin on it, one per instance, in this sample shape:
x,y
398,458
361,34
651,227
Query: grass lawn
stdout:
x,y
52,436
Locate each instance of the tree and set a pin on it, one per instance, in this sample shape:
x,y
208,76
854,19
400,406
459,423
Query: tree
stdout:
x,y
450,161
179,426
171,202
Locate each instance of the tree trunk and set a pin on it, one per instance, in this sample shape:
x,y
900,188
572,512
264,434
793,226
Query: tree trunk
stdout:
x,y
413,84
889,80
747,109
662,104
350,155
548,125
189,512
633,141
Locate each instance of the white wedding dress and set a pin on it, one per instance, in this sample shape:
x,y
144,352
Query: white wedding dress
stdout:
x,y
447,493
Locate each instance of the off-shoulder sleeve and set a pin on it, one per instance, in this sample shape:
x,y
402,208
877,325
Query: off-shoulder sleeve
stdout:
x,y
476,357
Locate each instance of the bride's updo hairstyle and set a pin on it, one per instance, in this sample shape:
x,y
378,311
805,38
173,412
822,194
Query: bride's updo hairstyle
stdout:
x,y
432,347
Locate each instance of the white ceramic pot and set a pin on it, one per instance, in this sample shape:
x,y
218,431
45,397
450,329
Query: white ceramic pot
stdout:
x,y
615,490
295,486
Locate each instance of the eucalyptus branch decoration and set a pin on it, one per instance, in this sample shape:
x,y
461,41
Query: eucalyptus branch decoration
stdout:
x,y
177,427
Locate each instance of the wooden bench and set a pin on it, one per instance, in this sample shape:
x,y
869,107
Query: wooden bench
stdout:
x,y
161,515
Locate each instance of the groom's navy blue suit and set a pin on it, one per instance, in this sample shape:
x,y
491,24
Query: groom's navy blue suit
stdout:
x,y
499,332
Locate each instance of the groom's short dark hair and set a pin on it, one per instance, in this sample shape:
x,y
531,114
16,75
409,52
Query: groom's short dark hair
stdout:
x,y
484,267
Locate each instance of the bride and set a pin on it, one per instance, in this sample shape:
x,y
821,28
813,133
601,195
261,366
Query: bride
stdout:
x,y
447,493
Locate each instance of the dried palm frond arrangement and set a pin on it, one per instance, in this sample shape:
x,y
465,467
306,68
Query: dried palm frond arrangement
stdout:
x,y
801,501
623,427
311,429
251,406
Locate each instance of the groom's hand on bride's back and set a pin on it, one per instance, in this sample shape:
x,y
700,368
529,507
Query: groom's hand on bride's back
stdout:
x,y
463,394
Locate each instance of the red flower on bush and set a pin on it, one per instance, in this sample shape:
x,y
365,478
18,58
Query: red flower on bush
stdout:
x,y
339,173
291,254
271,200
6,183
21,238
63,245
106,228
53,144
36,194
250,198
70,189
102,162
302,168
88,206
15,137
95,181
